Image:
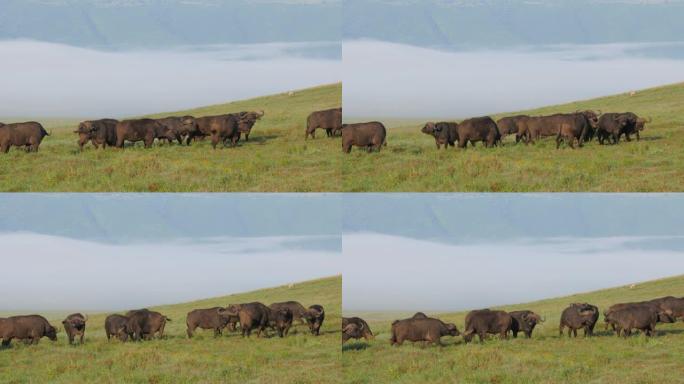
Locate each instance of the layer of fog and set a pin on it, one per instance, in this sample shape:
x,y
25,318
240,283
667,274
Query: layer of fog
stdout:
x,y
54,273
393,80
45,79
394,273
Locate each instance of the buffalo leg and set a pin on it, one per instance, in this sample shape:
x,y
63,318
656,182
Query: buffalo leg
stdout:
x,y
81,338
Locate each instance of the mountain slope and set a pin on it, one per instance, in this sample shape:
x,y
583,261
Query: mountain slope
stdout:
x,y
300,357
157,24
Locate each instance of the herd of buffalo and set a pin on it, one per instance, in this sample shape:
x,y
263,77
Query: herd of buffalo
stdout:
x,y
144,324
623,318
571,128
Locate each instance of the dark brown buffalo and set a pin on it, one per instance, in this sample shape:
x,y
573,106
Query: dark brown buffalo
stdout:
x,y
281,321
27,135
30,328
222,129
483,321
664,312
297,309
524,321
75,325
329,119
252,316
209,318
247,121
355,328
673,304
579,315
144,324
117,326
443,132
612,126
641,316
145,130
513,125
478,129
371,136
314,316
428,330
180,126
100,132
578,126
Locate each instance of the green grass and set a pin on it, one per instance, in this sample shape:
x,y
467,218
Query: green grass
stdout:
x,y
655,164
298,358
276,159
546,358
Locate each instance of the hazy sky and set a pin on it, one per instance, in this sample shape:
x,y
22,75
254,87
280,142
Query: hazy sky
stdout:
x,y
384,272
45,79
393,80
56,273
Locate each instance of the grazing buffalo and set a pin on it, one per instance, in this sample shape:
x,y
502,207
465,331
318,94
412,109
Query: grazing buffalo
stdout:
x,y
30,328
612,126
314,316
180,126
637,316
478,129
75,325
117,325
664,313
484,321
371,136
281,321
100,132
330,120
210,318
355,328
252,316
671,303
145,130
444,133
428,330
524,321
144,324
222,128
28,135
578,126
513,125
579,315
295,307
247,121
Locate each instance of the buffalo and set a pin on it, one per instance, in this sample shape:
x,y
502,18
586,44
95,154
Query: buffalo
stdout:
x,y
579,315
329,119
145,130
117,325
75,325
100,132
281,321
612,126
371,136
179,126
444,133
247,121
30,328
210,318
295,307
144,324
484,321
578,126
524,321
427,330
252,316
355,328
314,316
478,129
642,316
512,125
28,135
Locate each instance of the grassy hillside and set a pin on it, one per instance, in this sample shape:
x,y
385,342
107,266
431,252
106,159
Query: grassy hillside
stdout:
x,y
546,358
276,159
656,163
299,358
